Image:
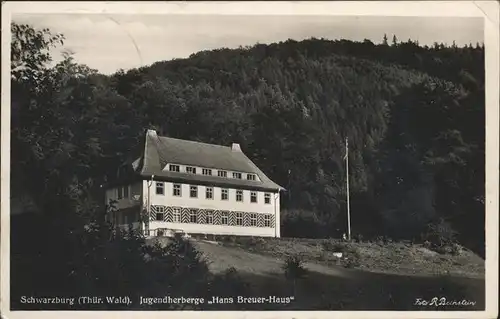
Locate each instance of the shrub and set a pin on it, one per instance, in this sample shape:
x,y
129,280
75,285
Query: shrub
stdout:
x,y
322,256
380,240
260,241
333,246
456,249
427,244
99,260
351,259
359,238
230,240
293,267
252,242
243,241
440,233
350,256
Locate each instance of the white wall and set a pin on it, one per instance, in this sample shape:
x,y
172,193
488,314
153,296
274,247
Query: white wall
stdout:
x,y
216,203
201,202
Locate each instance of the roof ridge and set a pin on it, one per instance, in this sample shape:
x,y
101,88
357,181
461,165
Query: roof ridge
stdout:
x,y
193,142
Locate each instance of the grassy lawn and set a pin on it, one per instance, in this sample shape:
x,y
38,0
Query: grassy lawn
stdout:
x,y
386,277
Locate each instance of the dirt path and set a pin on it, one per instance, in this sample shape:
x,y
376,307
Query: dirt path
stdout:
x,y
224,257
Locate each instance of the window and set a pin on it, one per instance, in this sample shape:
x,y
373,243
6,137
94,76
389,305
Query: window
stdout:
x,y
160,188
210,217
239,218
239,195
250,177
267,198
177,190
267,220
224,218
120,193
192,216
159,216
206,171
222,173
193,191
190,170
174,168
236,175
224,194
176,215
125,192
253,197
209,193
253,219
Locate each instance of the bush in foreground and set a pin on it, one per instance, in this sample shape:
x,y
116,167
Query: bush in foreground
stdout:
x,y
293,268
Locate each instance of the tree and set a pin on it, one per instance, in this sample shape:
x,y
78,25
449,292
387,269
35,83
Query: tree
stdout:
x,y
384,41
30,52
294,270
75,252
394,40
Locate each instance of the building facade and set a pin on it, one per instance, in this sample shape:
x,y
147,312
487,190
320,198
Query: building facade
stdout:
x,y
197,188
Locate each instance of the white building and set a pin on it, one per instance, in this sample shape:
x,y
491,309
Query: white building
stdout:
x,y
195,187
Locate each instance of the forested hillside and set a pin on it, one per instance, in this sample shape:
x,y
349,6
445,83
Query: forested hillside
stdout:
x,y
414,117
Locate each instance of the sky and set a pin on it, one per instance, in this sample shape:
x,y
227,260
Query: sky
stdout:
x,y
124,41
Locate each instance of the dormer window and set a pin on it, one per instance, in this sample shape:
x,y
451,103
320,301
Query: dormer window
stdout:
x,y
190,170
206,171
174,168
236,175
222,173
250,177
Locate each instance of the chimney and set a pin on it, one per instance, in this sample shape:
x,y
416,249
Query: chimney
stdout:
x,y
236,147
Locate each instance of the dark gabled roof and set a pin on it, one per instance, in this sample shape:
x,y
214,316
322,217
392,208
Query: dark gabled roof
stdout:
x,y
160,150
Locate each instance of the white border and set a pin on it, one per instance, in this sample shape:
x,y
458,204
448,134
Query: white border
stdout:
x,y
489,10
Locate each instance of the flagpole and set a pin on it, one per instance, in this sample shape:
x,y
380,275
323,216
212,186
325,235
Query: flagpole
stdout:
x,y
347,184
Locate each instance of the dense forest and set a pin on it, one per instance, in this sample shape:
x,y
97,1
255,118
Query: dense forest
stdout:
x,y
413,114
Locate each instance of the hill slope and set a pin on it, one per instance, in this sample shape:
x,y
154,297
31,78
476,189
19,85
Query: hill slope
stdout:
x,y
414,117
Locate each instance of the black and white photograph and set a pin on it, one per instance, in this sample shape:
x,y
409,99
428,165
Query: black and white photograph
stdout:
x,y
269,157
